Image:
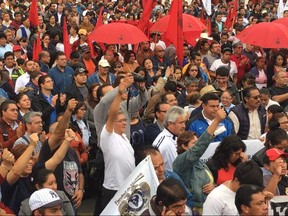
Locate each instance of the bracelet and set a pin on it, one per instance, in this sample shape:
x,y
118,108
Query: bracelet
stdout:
x,y
7,168
81,190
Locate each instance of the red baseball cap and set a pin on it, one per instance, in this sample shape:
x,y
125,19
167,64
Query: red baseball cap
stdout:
x,y
274,153
16,48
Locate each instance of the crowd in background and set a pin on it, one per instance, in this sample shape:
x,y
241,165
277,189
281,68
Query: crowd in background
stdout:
x,y
76,126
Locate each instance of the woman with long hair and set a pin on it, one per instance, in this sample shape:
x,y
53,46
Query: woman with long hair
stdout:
x,y
277,63
130,62
229,153
276,137
193,71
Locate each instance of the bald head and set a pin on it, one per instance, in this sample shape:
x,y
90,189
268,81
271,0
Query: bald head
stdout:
x,y
159,51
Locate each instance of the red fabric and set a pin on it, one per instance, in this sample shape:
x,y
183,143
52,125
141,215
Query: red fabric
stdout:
x,y
144,21
231,18
66,42
99,20
80,149
89,41
6,209
224,175
208,20
33,14
175,28
37,47
242,69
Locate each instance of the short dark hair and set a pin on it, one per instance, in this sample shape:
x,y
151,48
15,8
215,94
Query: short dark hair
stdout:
x,y
141,152
5,104
42,79
170,86
7,54
265,91
75,55
247,91
249,172
170,191
209,96
244,195
222,71
164,96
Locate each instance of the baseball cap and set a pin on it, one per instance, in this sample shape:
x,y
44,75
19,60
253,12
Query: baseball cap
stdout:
x,y
16,48
103,63
226,48
44,198
82,31
85,49
207,89
79,71
274,153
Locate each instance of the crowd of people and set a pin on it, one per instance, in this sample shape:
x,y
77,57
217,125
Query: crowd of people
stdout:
x,y
76,126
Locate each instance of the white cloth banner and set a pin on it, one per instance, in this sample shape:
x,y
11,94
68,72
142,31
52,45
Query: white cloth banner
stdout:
x,y
207,6
280,9
135,194
278,205
253,146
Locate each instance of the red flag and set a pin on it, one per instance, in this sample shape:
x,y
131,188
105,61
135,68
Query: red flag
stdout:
x,y
66,41
175,28
33,14
99,20
144,21
89,40
37,47
208,23
231,17
202,17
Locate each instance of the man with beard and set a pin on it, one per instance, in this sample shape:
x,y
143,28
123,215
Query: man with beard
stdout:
x,y
174,124
144,52
24,78
249,117
78,89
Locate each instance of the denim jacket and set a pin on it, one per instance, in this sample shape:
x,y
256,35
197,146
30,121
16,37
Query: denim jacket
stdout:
x,y
192,171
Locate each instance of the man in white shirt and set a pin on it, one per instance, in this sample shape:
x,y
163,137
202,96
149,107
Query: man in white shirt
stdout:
x,y
25,78
166,141
266,100
221,200
226,62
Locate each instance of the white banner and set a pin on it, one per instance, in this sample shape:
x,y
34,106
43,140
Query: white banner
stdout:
x,y
253,146
207,6
278,206
134,195
280,9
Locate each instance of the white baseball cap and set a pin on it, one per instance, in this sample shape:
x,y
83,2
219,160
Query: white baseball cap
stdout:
x,y
104,63
44,198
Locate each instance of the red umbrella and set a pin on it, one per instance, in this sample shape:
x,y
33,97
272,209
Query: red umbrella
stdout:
x,y
283,21
266,35
118,33
190,23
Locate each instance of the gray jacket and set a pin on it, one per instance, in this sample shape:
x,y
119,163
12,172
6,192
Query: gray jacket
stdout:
x,y
102,108
66,209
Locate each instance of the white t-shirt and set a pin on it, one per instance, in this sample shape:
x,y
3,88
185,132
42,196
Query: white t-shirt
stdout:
x,y
118,158
218,63
167,146
220,202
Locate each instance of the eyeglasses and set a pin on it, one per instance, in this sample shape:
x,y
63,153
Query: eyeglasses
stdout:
x,y
118,66
256,97
122,121
193,70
